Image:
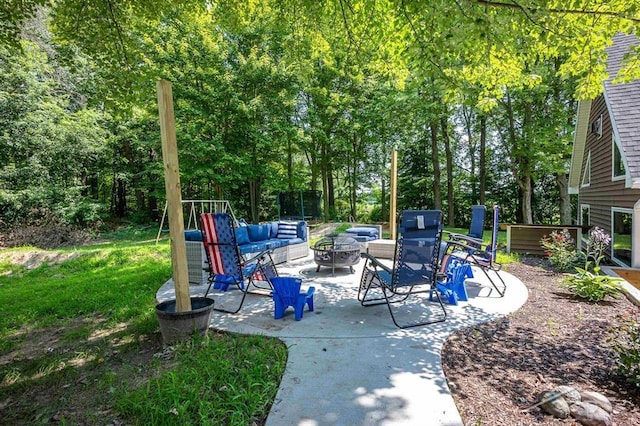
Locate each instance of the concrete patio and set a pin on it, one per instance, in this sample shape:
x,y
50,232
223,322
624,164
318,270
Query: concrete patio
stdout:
x,y
349,365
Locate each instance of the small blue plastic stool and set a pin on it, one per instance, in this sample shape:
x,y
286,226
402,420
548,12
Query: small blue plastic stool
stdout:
x,y
286,292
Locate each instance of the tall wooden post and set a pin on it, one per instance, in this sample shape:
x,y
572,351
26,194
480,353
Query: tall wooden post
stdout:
x,y
174,197
393,183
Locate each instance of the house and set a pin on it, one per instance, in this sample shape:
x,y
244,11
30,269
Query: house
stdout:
x,y
605,163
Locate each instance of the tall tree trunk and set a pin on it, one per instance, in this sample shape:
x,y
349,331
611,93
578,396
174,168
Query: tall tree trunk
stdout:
x,y
482,166
435,159
565,202
451,219
254,199
325,183
471,146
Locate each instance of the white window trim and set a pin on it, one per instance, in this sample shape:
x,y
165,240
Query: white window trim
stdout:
x,y
614,143
588,207
587,168
633,218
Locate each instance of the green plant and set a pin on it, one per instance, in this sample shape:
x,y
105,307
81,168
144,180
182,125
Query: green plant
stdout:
x,y
624,341
588,282
561,249
591,285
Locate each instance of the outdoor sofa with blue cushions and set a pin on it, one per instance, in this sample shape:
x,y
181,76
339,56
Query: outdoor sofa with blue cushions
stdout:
x,y
286,239
363,234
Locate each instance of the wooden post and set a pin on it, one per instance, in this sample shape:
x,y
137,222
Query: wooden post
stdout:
x,y
393,183
174,197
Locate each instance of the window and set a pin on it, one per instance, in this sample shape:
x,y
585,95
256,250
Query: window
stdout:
x,y
619,170
586,177
621,220
596,126
585,214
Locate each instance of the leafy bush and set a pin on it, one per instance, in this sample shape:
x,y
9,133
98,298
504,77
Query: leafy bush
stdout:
x,y
561,250
625,345
592,285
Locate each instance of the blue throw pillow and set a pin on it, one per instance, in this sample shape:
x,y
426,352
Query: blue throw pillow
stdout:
x,y
242,235
302,230
274,230
287,230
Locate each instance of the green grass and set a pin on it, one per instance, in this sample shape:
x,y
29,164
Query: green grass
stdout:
x,y
78,339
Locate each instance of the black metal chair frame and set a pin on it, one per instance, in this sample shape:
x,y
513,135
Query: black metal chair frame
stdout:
x,y
376,276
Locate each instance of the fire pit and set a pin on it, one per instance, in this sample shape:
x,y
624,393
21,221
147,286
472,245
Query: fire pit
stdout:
x,y
336,251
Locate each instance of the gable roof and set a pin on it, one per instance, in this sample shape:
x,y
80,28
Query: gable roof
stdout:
x,y
623,103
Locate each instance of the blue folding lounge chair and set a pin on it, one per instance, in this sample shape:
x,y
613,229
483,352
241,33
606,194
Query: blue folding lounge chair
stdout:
x,y
226,264
482,255
286,292
414,270
476,228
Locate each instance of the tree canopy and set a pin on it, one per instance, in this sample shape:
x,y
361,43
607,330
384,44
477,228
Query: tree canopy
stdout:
x,y
478,95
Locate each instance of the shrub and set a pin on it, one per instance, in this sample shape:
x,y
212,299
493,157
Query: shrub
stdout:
x,y
561,250
593,286
624,341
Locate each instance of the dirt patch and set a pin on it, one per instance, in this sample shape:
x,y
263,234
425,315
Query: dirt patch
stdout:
x,y
497,370
35,258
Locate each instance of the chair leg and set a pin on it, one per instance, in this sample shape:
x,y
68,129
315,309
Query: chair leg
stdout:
x,y
415,324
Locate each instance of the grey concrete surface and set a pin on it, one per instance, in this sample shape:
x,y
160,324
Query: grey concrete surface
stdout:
x,y
349,365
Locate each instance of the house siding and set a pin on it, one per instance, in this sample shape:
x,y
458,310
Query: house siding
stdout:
x,y
603,193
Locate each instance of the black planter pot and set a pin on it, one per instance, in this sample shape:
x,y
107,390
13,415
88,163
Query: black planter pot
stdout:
x,y
177,326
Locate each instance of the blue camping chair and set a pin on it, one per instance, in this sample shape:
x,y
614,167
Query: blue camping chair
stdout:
x,y
414,271
286,292
226,264
481,255
476,228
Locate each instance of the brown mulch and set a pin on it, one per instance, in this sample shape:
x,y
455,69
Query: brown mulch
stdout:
x,y
497,370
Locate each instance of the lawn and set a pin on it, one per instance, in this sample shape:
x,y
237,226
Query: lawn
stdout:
x,y
80,344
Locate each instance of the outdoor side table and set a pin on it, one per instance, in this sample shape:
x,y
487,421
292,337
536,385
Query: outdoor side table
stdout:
x,y
337,251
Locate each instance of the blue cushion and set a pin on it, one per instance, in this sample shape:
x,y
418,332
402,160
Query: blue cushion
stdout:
x,y
193,235
274,243
242,235
301,230
292,241
363,231
287,230
253,248
274,230
258,232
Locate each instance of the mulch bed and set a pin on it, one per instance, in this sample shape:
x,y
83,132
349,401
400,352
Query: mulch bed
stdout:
x,y
497,370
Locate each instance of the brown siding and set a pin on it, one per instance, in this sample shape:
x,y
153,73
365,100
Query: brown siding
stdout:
x,y
603,193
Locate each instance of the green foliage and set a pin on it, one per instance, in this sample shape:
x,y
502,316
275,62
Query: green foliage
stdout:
x,y
93,319
561,250
592,285
624,341
219,381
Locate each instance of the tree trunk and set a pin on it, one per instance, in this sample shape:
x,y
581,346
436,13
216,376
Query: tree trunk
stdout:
x,y
254,199
565,202
482,166
437,197
325,183
451,219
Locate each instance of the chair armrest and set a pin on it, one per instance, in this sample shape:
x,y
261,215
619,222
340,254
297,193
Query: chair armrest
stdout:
x,y
468,240
375,262
310,291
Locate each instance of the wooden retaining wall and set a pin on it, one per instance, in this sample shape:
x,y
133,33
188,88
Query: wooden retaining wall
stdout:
x,y
526,238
